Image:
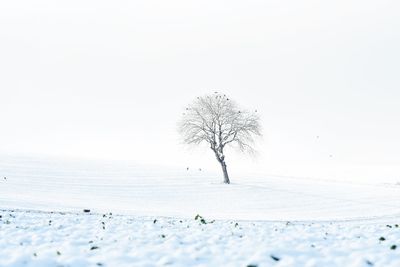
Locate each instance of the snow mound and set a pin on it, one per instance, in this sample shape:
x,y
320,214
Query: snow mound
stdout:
x,y
141,190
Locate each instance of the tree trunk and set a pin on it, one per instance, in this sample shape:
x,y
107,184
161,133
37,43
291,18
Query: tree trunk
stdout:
x,y
225,171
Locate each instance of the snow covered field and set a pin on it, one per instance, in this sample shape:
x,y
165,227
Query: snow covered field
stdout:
x,y
143,216
71,239
55,185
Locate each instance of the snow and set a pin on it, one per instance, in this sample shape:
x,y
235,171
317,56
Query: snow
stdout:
x,y
29,238
300,221
123,188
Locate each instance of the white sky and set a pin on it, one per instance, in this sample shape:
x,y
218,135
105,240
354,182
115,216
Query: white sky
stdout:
x,y
109,79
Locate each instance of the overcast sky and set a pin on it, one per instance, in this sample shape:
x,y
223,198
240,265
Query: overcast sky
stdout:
x,y
109,79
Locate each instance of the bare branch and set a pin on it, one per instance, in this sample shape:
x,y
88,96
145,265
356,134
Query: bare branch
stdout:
x,y
217,120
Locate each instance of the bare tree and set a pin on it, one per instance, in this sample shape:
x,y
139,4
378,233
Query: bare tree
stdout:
x,y
217,120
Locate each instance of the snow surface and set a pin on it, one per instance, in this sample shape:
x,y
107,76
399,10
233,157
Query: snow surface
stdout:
x,y
70,239
297,221
123,188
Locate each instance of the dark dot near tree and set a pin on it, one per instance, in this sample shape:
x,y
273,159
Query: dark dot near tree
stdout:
x,y
275,258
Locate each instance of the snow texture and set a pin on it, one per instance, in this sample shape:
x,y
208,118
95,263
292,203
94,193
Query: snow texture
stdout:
x,y
70,239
